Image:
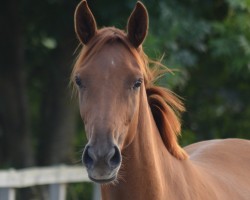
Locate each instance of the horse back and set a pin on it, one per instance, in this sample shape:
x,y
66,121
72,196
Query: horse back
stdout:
x,y
226,163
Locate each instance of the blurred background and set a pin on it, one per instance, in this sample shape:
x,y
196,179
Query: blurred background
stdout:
x,y
208,41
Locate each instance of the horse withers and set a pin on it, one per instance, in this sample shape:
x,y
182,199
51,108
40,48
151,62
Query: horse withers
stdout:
x,y
132,125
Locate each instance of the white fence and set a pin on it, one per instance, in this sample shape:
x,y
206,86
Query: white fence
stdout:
x,y
55,177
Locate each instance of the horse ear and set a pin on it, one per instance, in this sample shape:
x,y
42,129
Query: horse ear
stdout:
x,y
137,27
85,25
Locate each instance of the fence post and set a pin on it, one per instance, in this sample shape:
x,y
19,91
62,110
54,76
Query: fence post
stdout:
x,y
57,192
96,192
7,194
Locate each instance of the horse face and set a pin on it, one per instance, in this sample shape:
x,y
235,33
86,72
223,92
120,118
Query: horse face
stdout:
x,y
109,81
109,85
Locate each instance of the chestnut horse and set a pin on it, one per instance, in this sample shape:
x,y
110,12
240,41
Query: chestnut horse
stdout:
x,y
132,125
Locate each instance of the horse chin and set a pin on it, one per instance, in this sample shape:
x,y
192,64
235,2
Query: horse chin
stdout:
x,y
103,181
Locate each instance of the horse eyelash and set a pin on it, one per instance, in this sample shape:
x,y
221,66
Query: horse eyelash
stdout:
x,y
137,84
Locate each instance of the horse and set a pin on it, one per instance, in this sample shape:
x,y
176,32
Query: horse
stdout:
x,y
132,125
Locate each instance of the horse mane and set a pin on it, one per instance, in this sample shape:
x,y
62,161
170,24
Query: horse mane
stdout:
x,y
166,106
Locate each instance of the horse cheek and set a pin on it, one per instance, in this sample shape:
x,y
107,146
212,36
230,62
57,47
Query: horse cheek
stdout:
x,y
131,121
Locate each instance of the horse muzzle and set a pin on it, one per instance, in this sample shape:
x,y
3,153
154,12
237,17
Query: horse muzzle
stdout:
x,y
102,163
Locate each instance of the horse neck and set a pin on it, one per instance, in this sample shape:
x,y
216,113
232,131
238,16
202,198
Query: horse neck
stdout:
x,y
146,162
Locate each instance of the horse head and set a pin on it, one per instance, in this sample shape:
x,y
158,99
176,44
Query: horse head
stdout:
x,y
109,80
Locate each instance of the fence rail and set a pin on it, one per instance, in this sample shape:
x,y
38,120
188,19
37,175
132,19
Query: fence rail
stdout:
x,y
55,177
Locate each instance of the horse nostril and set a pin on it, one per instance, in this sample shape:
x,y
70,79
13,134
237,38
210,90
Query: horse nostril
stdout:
x,y
115,158
88,158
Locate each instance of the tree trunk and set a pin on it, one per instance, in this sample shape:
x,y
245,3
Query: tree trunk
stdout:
x,y
15,134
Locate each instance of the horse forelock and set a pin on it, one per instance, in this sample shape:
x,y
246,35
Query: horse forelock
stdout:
x,y
166,107
102,37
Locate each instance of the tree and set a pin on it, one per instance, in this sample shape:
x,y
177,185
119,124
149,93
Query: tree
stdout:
x,y
14,109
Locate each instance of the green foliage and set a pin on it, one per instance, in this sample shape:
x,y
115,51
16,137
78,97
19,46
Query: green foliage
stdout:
x,y
209,45
79,191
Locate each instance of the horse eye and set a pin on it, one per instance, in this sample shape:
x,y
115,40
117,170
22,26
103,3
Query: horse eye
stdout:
x,y
78,81
137,84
